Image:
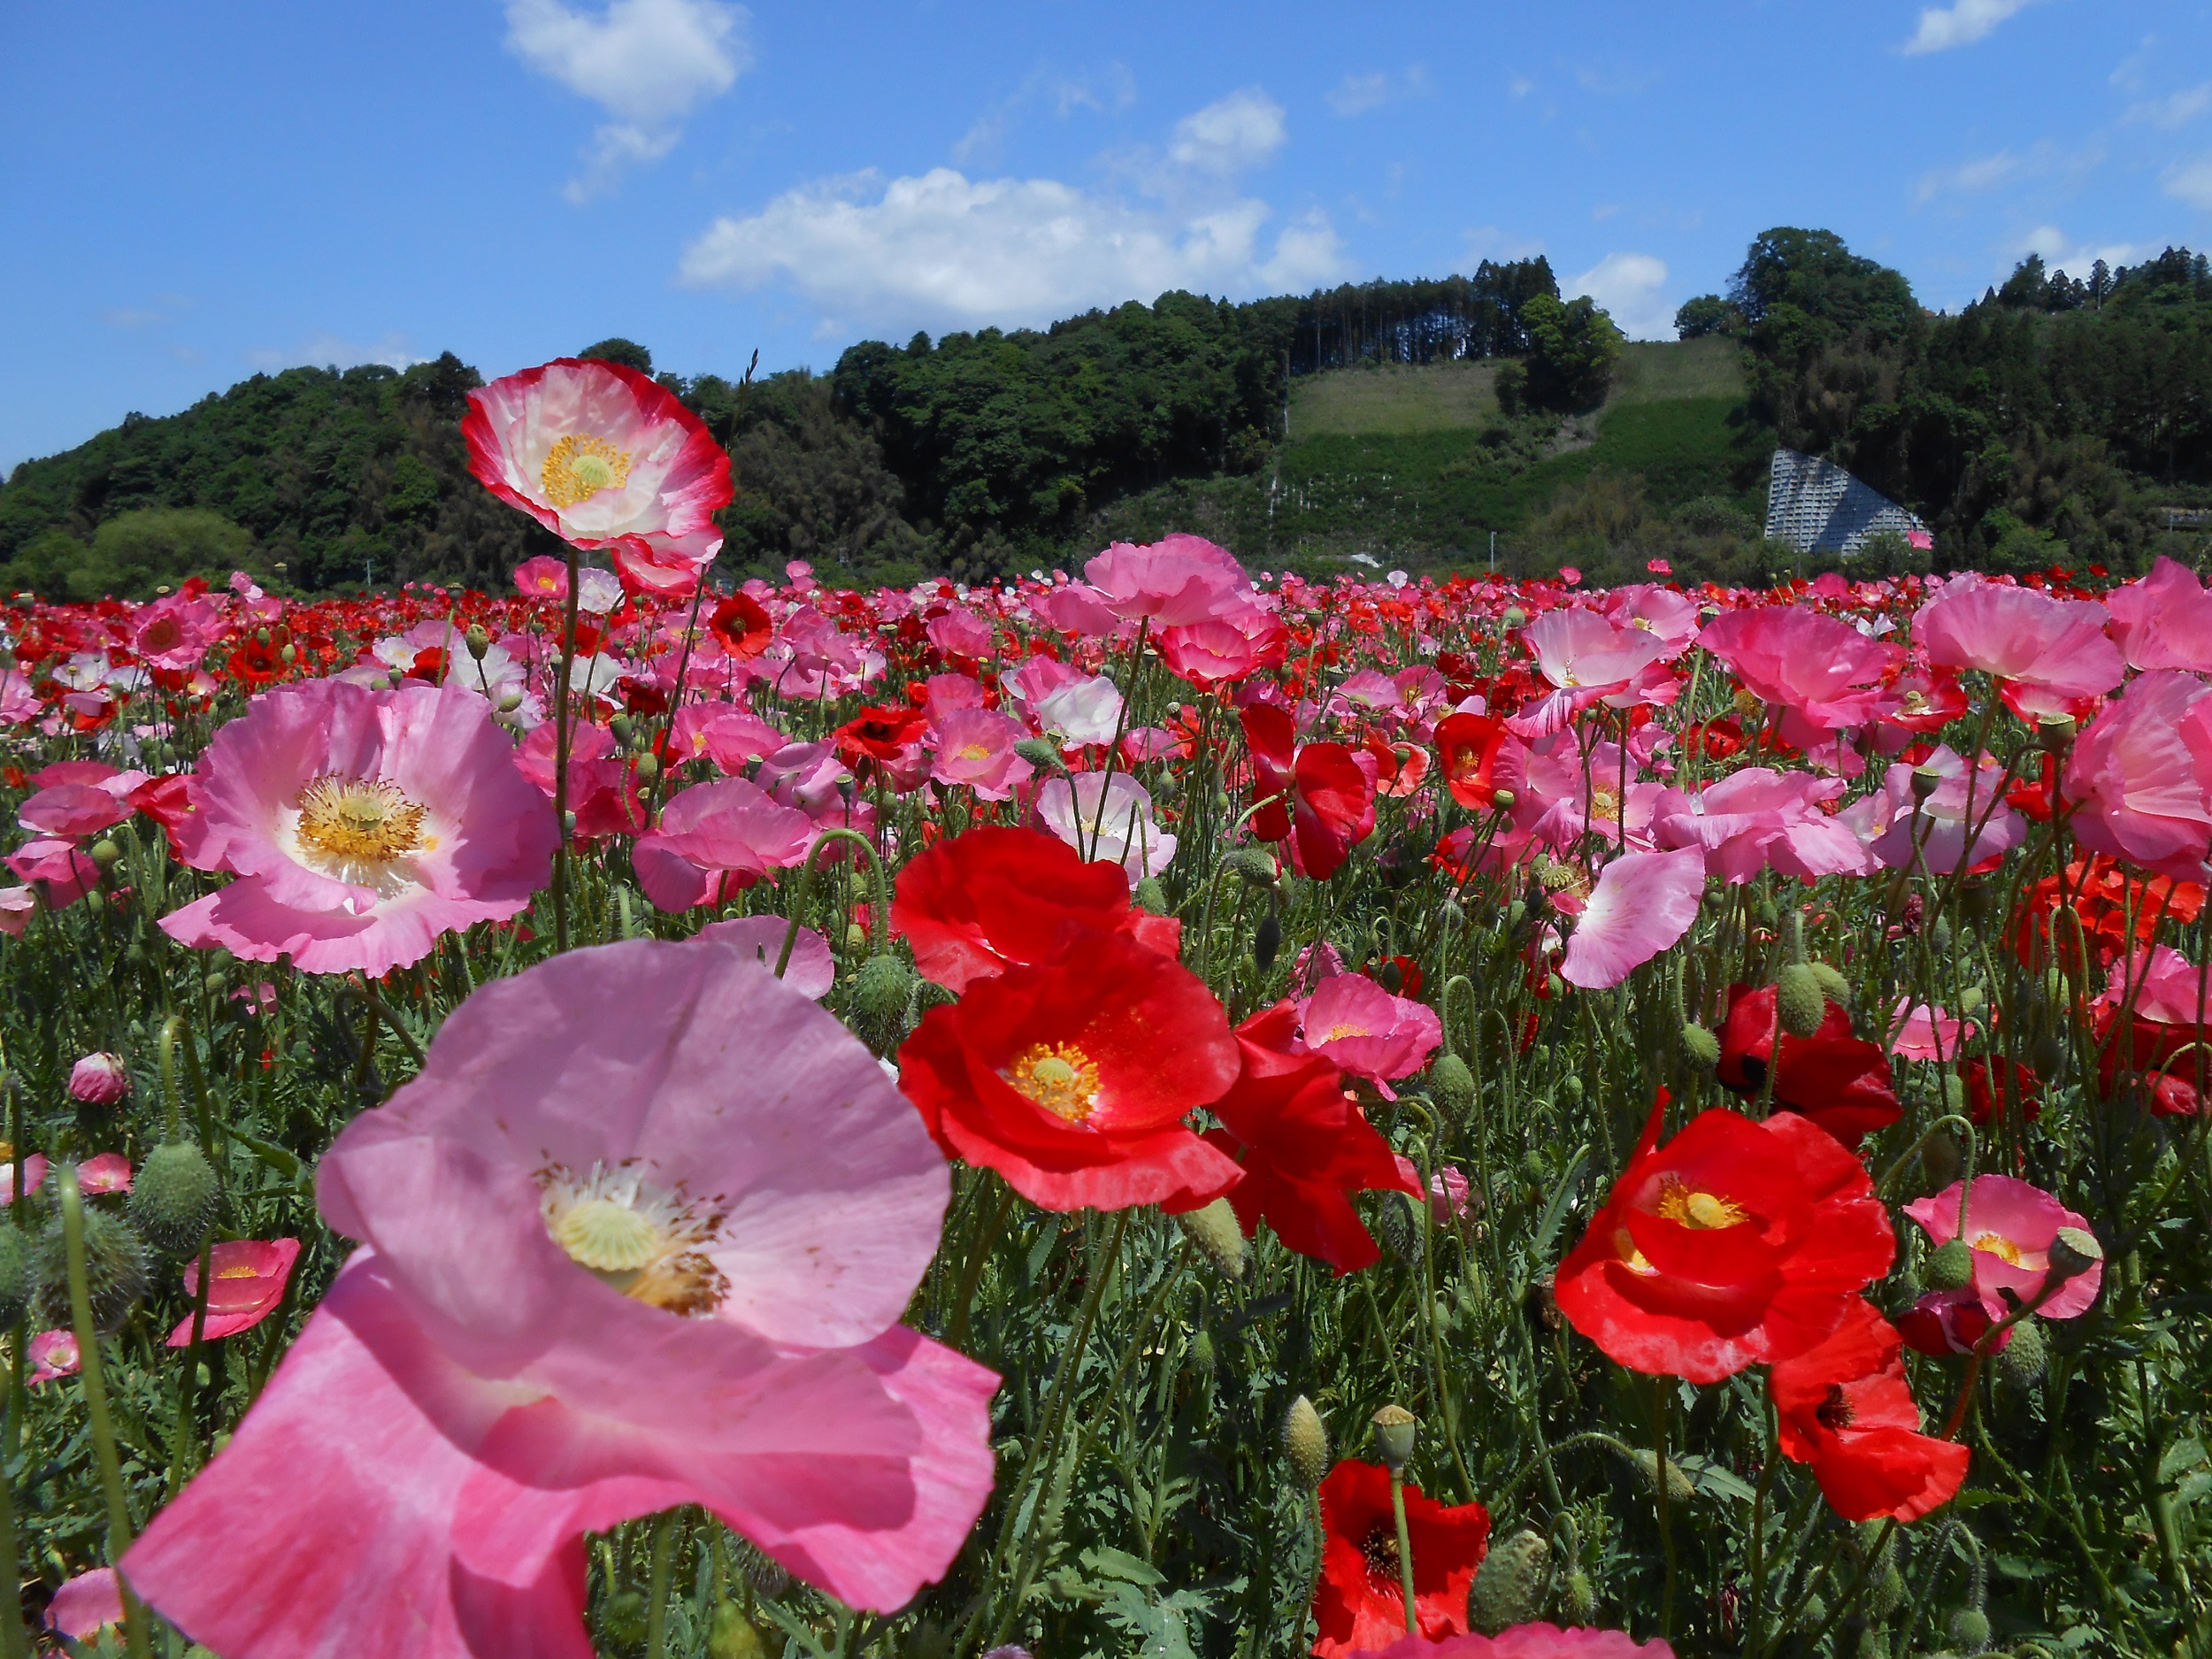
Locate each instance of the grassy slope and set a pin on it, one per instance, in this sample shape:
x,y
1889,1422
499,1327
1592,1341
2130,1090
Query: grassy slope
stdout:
x,y
1393,462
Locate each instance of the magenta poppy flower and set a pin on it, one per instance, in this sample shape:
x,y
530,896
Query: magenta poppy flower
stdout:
x,y
544,577
1824,669
2139,773
604,457
53,1353
99,1079
1927,1033
1353,1023
34,1168
976,747
71,811
1177,580
1227,647
104,1172
717,839
2010,1226
85,1605
614,1264
246,1281
1587,657
1759,818
1643,905
2165,619
361,826
2040,644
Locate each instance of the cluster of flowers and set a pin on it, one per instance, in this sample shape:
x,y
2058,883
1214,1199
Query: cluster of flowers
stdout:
x,y
608,1260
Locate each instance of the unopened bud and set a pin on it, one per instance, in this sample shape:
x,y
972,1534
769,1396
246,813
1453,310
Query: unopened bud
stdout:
x,y
1833,986
1267,939
15,1273
174,1196
1040,752
478,641
1950,1266
1678,1487
648,766
1969,1630
1306,1443
1514,617
1509,1582
2020,1362
289,654
1202,1350
1453,1084
1701,1045
731,1635
1255,865
116,1270
1942,1157
1213,1229
1395,1430
1148,894
1578,1598
106,854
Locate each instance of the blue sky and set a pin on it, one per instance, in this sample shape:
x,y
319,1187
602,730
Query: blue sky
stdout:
x,y
196,193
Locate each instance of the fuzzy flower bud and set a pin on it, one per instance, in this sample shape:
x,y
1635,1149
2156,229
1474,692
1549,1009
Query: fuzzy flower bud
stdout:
x,y
105,853
1255,865
1833,986
1509,1582
1040,752
1701,1045
116,1271
1799,1000
1213,1229
1306,1443
99,1079
2021,1360
1951,1266
174,1197
1452,1084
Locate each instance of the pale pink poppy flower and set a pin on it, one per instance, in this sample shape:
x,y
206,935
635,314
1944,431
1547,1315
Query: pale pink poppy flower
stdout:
x,y
2163,621
1239,642
85,1605
1175,581
1643,903
52,1354
1447,1193
614,1264
1587,657
2010,1226
1075,608
1142,743
944,693
1354,1023
604,457
1562,794
1669,616
34,1168
813,968
722,733
1111,819
2165,985
1085,710
962,634
1825,670
1757,818
73,811
18,905
361,826
717,839
975,747
260,998
1366,691
2057,646
58,870
99,1079
246,1281
1894,821
544,577
2139,773
1037,678
1927,1033
104,1172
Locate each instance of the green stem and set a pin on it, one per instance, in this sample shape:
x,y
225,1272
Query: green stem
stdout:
x,y
1666,1519
1405,1545
657,1592
806,892
562,728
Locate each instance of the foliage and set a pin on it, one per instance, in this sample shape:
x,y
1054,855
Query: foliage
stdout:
x,y
1572,348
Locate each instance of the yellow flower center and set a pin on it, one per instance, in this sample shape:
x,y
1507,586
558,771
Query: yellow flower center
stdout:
x,y
237,1270
1997,1245
580,467
1605,804
359,821
646,1243
1706,1212
1059,1077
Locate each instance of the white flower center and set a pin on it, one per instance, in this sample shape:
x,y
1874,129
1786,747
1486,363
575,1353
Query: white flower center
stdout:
x,y
647,1243
580,467
361,831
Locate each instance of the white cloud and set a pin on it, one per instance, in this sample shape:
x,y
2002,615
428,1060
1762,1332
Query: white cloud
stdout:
x,y
325,351
1960,24
1967,178
1630,288
2061,252
648,63
1355,95
2175,112
2190,181
1487,242
1232,136
948,250
1519,86
130,317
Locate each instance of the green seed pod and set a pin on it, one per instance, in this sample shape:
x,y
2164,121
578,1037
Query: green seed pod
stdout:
x,y
730,1635
1508,1583
1395,1430
478,640
1969,1630
1451,916
1950,1266
622,1620
881,988
1701,1045
623,728
1535,1170
1971,1000
1040,752
95,902
1202,1350
1514,617
1306,1443
1888,1594
1212,1228
1571,1090
1256,865
1942,1157
106,854
2046,1053
1452,1084
15,1273
1940,937
116,1270
1799,1000
1150,896
1578,1598
1678,1488
174,1197
2020,1362
1833,986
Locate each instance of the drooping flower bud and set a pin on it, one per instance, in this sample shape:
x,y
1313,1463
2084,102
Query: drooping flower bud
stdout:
x,y
1950,1266
1452,1084
1701,1045
1395,1431
1969,1630
881,989
116,1271
1833,986
1509,1582
106,854
1255,865
1040,752
99,1079
1306,1443
1678,1488
1267,940
1148,894
1798,1000
1578,1598
1942,1157
731,1635
174,1197
1213,1229
2020,1362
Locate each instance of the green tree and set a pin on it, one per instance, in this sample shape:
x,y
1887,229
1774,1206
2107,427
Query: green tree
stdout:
x,y
1572,348
1706,314
628,353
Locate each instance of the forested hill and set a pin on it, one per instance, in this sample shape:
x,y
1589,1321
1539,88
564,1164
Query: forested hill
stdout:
x,y
1403,422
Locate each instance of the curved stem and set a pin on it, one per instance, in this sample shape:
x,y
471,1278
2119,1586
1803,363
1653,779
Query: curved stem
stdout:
x,y
806,891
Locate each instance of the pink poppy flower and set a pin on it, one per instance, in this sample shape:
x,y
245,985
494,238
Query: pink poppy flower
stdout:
x,y
18,905
1643,905
716,839
2010,1226
71,811
1080,711
1524,1641
976,747
34,1168
53,1353
174,632
2140,772
1587,658
604,457
1224,648
1075,608
812,969
944,693
2164,620
721,732
1354,1024
1899,827
104,1172
544,577
2056,647
1109,819
1925,1032
962,634
361,826
56,869
1758,817
1447,1193
613,1266
1670,616
1177,580
1824,669
99,1079
246,1281
603,790
85,1605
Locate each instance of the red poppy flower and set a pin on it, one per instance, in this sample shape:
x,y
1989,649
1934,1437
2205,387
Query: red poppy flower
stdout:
x,y
1737,1243
1840,1081
164,800
741,627
972,905
1304,1145
2111,907
1847,1410
2038,796
1468,747
255,663
880,737
1359,1601
1992,1086
1324,803
1053,1075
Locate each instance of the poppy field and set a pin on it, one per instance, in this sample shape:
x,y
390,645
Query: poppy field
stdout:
x,y
1156,1109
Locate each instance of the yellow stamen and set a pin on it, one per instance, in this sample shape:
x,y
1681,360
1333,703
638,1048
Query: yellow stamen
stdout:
x,y
648,1244
580,467
1706,1212
1059,1077
359,821
1997,1245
